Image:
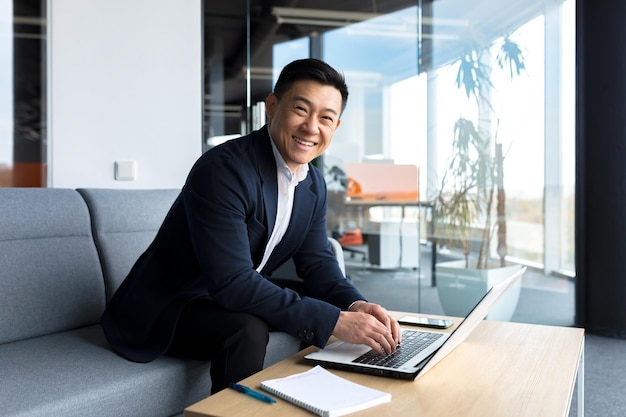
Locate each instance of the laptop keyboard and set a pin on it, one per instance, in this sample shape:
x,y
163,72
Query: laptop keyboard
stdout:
x,y
413,342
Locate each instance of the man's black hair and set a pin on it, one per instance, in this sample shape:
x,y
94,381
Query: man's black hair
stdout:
x,y
311,69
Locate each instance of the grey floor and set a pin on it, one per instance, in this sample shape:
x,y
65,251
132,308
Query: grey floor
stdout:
x,y
543,300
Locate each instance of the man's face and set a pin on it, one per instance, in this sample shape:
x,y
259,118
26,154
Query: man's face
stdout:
x,y
303,121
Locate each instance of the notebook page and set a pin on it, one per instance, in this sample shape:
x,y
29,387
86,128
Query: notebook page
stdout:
x,y
325,393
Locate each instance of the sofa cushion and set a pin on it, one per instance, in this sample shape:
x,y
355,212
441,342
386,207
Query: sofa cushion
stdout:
x,y
74,373
50,279
124,224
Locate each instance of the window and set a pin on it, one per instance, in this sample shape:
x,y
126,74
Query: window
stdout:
x,y
401,64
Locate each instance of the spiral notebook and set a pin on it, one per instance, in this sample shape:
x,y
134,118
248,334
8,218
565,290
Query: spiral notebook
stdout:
x,y
325,393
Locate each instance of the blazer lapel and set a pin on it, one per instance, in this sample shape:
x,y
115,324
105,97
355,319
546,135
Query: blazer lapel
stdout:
x,y
269,184
304,200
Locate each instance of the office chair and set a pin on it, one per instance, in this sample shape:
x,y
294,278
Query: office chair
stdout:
x,y
338,185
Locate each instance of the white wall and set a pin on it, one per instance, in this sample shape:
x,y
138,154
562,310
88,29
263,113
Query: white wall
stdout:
x,y
124,83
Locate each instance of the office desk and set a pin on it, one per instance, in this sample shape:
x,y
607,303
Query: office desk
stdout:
x,y
362,205
502,369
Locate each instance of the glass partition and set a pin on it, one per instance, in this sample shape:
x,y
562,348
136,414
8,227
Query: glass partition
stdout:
x,y
379,148
23,150
503,132
6,100
457,144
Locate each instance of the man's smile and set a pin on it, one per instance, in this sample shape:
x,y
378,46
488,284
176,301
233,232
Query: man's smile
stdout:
x,y
303,142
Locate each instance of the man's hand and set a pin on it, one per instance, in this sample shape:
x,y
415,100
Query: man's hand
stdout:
x,y
369,324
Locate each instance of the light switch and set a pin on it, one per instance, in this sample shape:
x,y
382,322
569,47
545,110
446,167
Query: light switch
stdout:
x,y
125,170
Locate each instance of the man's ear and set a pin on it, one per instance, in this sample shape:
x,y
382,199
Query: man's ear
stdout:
x,y
270,105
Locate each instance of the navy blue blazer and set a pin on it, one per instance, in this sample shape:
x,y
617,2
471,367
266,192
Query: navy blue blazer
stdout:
x,y
210,244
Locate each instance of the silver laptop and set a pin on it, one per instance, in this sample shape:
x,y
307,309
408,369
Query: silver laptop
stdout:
x,y
419,351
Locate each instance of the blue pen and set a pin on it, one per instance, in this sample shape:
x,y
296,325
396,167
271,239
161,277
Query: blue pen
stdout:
x,y
252,393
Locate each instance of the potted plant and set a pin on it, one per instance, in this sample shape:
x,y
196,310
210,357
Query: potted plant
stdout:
x,y
470,205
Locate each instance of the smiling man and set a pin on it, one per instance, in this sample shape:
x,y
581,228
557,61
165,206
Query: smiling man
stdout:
x,y
201,290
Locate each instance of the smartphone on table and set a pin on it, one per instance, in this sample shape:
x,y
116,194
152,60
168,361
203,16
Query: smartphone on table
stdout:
x,y
425,322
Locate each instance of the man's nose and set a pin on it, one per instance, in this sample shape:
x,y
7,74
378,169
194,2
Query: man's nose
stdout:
x,y
312,125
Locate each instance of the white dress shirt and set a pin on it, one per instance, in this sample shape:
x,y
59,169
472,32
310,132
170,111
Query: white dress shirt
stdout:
x,y
287,182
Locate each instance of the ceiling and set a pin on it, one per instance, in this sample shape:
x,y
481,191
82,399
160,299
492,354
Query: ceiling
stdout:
x,y
226,36
227,21
226,40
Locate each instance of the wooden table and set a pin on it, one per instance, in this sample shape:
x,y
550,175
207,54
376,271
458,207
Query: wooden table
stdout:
x,y
502,369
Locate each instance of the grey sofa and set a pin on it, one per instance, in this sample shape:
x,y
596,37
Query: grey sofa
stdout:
x,y
63,253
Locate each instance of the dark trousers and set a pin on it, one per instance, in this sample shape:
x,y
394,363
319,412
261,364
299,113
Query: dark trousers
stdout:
x,y
234,342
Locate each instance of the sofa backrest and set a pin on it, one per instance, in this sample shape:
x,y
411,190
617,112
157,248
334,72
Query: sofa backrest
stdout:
x,y
50,275
124,224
